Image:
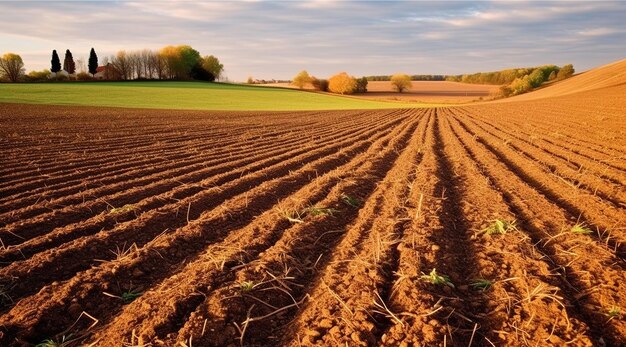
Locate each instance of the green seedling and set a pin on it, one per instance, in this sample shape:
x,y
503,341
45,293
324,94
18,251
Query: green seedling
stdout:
x,y
48,343
126,297
499,227
350,201
320,211
481,284
123,209
614,312
130,296
581,229
246,286
436,279
52,343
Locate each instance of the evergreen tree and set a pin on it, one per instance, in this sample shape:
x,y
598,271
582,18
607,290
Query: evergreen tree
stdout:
x,y
56,63
68,63
93,62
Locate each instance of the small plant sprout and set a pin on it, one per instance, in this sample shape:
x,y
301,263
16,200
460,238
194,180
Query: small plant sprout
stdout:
x,y
292,216
581,229
439,280
320,211
614,312
350,201
47,343
65,341
123,209
130,296
246,286
127,297
499,226
481,284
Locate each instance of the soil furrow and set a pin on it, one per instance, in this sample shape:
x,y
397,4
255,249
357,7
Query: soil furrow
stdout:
x,y
211,227
203,275
149,225
584,208
573,256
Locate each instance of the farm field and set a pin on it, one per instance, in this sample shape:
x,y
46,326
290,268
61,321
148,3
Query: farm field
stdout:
x,y
495,224
430,92
422,92
181,95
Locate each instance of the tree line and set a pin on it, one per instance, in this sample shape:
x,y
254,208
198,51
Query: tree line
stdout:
x,y
505,77
343,83
411,77
169,63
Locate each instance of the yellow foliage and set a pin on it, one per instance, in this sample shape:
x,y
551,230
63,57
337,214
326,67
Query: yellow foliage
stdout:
x,y
342,83
401,82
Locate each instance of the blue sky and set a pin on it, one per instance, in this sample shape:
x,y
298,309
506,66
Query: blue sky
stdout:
x,y
277,39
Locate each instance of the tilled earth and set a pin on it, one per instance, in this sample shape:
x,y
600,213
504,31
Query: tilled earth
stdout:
x,y
486,225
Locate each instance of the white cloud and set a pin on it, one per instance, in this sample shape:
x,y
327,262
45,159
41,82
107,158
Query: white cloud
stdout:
x,y
599,32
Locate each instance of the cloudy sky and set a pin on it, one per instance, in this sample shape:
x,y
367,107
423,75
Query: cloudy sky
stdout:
x,y
277,39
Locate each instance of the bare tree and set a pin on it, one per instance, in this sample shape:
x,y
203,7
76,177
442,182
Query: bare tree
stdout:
x,y
122,64
11,67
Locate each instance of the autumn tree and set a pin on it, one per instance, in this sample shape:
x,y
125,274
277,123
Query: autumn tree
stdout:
x,y
212,64
93,62
55,62
565,72
301,79
122,64
401,82
11,67
68,63
342,83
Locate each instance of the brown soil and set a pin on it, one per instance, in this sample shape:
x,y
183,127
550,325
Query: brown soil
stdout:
x,y
315,228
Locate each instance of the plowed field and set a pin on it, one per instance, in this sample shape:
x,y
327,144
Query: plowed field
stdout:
x,y
340,228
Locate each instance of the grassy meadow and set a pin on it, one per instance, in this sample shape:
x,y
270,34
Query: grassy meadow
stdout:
x,y
184,95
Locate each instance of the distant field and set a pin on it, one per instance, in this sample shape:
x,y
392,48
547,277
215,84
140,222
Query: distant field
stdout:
x,y
181,95
422,92
431,91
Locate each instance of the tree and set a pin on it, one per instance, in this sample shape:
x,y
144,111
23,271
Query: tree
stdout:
x,y
535,78
11,67
80,65
319,84
213,65
198,72
361,85
68,63
122,65
401,82
56,62
302,79
342,83
93,62
565,72
250,80
552,76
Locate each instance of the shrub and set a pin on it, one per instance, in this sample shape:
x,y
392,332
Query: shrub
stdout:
x,y
361,85
342,83
84,76
401,82
320,84
565,72
38,76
